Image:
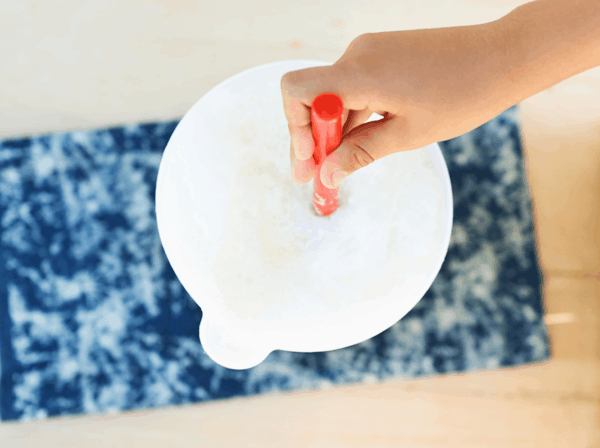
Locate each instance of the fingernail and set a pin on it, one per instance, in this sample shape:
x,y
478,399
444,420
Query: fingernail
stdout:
x,y
337,177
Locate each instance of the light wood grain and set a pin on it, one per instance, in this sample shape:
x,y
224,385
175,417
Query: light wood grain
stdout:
x,y
80,64
107,69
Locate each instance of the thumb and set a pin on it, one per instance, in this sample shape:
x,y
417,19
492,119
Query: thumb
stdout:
x,y
360,147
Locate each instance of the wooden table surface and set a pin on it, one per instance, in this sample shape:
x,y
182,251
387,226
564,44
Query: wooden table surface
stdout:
x,y
85,64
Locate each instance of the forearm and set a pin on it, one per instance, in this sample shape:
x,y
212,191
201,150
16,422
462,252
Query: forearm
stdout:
x,y
547,41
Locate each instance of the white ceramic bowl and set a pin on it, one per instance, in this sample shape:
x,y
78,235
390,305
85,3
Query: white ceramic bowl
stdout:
x,y
239,129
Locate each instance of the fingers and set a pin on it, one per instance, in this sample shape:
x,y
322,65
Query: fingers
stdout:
x,y
302,170
363,145
299,88
302,142
355,118
302,146
345,117
296,105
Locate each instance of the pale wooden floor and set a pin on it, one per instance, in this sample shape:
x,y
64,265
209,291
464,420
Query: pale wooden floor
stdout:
x,y
556,404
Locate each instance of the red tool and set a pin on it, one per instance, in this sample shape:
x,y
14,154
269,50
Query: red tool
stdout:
x,y
326,118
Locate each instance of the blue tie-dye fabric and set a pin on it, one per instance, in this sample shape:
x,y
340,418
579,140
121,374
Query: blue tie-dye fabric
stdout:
x,y
93,319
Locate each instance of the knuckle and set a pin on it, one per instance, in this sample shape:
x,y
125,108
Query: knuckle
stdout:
x,y
288,81
359,157
361,39
356,63
285,81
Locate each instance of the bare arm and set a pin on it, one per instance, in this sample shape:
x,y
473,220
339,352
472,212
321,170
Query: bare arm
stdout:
x,y
547,41
432,85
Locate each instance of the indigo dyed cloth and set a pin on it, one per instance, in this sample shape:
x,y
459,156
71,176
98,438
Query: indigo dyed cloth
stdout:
x,y
94,320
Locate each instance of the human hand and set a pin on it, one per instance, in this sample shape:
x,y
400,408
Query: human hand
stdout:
x,y
428,85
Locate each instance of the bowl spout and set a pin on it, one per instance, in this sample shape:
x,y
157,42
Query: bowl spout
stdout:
x,y
234,348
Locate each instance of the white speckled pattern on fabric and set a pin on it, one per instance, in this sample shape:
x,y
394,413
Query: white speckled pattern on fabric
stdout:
x,y
93,319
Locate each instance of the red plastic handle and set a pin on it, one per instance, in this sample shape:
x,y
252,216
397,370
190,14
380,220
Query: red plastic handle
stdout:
x,y
326,118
